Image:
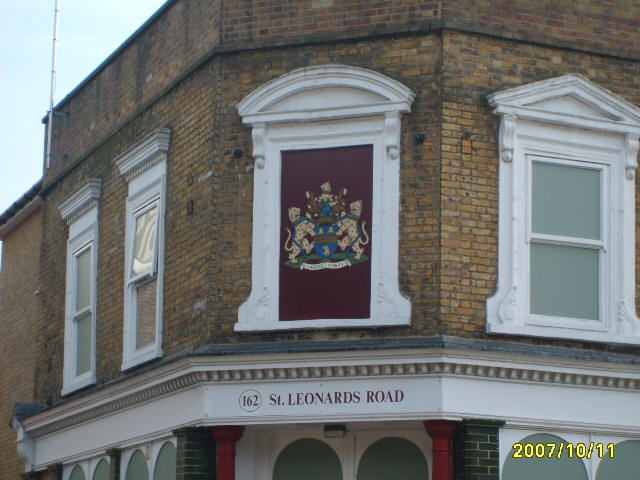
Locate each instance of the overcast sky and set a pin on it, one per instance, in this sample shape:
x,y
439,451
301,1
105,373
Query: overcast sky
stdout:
x,y
88,31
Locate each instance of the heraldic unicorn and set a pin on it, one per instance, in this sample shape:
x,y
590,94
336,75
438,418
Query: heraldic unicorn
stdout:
x,y
327,235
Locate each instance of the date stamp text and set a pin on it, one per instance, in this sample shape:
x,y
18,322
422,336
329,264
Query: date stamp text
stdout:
x,y
563,449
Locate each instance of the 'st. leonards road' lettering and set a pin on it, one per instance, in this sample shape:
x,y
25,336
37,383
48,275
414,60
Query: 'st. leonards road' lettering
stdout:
x,y
336,398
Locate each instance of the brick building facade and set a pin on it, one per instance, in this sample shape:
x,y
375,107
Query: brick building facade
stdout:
x,y
20,311
177,138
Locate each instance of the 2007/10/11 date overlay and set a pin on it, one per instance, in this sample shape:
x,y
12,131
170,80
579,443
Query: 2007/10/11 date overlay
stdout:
x,y
562,449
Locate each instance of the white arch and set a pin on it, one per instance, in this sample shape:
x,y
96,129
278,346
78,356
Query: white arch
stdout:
x,y
355,92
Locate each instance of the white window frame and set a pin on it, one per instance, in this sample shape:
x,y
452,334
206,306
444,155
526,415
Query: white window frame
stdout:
x,y
80,211
573,122
323,107
145,169
571,159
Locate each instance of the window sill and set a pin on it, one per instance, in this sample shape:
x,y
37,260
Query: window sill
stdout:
x,y
258,326
563,332
139,357
76,383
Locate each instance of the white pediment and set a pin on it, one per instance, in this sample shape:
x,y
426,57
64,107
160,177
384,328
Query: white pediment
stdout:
x,y
571,105
565,98
322,92
326,98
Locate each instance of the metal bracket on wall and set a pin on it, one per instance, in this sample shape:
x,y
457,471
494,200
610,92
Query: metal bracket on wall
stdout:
x,y
64,115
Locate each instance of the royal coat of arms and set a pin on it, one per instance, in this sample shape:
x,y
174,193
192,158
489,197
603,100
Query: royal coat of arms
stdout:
x,y
328,234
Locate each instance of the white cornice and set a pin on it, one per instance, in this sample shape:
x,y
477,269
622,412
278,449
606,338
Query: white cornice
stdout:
x,y
148,152
194,371
81,201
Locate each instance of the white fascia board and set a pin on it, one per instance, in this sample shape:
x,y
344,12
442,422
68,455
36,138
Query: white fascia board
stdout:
x,y
244,368
133,426
444,395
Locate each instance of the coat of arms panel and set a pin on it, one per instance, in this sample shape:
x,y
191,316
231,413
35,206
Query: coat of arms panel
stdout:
x,y
325,230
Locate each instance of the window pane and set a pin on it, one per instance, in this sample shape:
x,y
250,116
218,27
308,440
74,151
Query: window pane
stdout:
x,y
535,468
395,458
77,473
566,200
166,463
83,279
83,344
307,459
625,463
102,471
137,468
565,281
145,241
146,314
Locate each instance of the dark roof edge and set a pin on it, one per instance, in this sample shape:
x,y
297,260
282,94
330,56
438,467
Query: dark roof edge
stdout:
x,y
23,410
150,21
431,25
25,205
429,342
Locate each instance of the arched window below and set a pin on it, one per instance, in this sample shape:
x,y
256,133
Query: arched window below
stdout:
x,y
309,459
102,471
137,468
527,466
165,468
625,463
77,473
395,458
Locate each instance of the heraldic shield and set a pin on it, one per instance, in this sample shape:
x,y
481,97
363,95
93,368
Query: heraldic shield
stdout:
x,y
328,235
326,232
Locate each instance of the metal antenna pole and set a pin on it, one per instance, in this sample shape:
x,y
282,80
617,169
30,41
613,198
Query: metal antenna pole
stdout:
x,y
53,83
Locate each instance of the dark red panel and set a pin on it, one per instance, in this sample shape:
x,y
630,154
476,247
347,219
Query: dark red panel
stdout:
x,y
333,279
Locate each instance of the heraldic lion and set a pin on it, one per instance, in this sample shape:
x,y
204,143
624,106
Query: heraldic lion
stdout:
x,y
302,226
356,236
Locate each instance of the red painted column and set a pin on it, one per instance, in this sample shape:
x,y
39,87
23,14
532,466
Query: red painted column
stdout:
x,y
226,438
442,433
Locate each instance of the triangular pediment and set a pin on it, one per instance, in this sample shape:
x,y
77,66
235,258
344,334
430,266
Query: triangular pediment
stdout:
x,y
573,105
569,96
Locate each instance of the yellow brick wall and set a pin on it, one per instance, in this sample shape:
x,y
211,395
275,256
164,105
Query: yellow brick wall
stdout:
x,y
448,193
19,315
473,67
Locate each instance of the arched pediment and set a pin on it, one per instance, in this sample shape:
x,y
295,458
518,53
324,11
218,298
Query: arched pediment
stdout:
x,y
325,92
